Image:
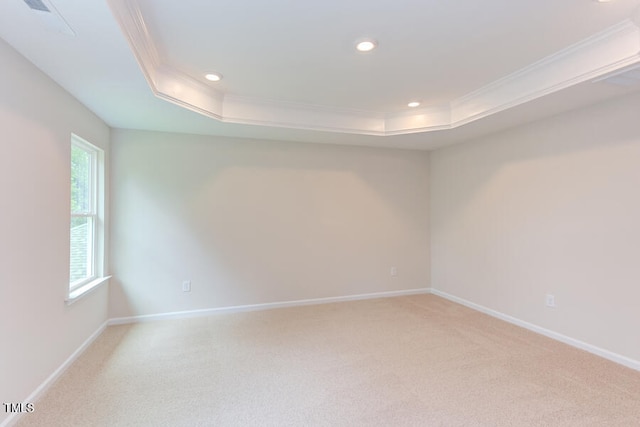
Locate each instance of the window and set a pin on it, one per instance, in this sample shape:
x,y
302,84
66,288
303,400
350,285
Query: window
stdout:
x,y
87,207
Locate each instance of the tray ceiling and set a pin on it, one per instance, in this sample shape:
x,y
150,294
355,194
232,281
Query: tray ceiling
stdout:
x,y
290,69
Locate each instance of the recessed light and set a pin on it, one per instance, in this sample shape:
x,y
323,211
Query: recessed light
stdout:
x,y
413,104
366,45
213,77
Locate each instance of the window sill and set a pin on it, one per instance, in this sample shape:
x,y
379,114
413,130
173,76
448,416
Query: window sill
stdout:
x,y
85,289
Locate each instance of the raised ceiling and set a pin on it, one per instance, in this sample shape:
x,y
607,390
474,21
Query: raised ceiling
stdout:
x,y
290,68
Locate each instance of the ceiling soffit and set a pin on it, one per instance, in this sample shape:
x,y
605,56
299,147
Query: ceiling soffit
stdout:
x,y
606,53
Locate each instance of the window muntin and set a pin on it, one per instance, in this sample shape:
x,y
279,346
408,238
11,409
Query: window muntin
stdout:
x,y
85,241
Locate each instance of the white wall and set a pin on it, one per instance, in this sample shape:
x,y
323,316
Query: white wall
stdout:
x,y
38,331
252,222
551,207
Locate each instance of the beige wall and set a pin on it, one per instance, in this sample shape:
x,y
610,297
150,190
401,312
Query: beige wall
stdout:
x,y
552,207
39,332
252,222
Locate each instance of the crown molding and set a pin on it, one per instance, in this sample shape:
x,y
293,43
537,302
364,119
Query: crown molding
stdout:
x,y
132,24
246,110
419,120
604,53
185,91
615,48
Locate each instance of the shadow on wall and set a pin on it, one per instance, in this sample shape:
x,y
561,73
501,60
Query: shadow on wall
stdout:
x,y
263,221
550,207
531,146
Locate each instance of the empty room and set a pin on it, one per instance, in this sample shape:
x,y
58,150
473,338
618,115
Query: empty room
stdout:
x,y
338,213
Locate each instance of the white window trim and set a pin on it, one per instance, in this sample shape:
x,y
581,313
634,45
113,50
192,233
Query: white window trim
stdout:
x,y
84,287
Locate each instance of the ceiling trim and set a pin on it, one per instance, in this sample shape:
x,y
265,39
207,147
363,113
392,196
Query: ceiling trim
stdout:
x,y
593,58
603,53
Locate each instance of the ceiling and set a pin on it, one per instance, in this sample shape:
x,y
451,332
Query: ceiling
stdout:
x,y
291,71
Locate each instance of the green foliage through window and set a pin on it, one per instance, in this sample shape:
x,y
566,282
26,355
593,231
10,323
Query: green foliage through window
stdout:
x,y
83,214
81,186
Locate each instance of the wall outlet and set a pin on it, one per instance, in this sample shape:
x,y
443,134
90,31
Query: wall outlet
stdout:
x,y
394,271
550,300
186,286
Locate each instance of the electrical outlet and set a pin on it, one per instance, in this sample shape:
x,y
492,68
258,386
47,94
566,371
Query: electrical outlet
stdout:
x,y
394,271
550,300
186,286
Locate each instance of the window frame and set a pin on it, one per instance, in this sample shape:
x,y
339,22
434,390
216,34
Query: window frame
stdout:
x,y
95,214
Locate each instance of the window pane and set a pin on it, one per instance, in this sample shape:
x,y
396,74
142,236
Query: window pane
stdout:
x,y
81,161
81,249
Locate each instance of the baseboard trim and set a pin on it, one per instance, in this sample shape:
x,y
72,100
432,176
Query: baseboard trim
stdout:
x,y
609,355
33,397
42,388
267,306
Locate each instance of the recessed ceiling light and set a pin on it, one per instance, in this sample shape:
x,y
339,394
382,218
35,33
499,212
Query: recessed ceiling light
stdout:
x,y
213,77
604,1
366,45
413,104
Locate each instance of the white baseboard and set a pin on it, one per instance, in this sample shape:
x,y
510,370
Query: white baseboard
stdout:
x,y
631,363
614,357
267,306
33,397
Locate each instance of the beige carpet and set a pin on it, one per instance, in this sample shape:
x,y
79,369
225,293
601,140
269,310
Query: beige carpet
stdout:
x,y
408,361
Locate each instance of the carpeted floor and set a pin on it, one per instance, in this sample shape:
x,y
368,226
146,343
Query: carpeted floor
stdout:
x,y
407,361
